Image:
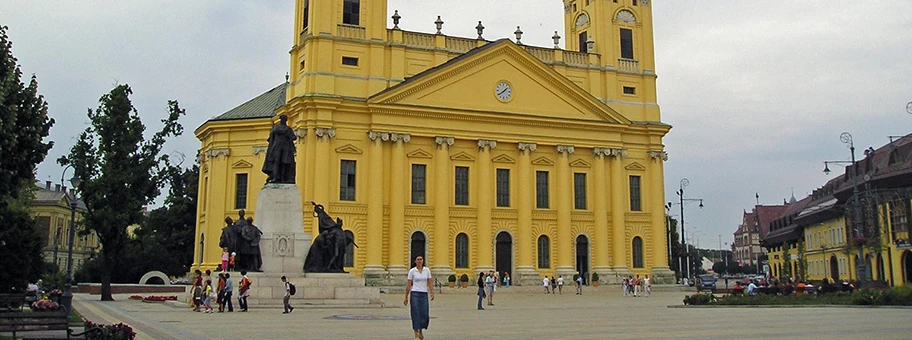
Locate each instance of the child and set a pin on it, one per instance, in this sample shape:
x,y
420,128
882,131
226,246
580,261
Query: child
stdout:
x,y
208,294
225,258
231,261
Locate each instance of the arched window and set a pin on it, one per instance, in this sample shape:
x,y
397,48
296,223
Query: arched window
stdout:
x,y
350,250
637,252
544,252
462,251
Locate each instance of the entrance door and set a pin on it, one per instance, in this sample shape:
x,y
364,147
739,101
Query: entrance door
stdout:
x,y
907,266
417,248
582,257
504,249
834,268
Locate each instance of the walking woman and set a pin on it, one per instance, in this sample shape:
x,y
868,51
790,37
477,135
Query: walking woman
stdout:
x,y
481,290
417,287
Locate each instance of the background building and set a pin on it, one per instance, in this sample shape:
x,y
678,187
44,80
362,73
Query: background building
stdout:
x,y
753,228
51,209
477,154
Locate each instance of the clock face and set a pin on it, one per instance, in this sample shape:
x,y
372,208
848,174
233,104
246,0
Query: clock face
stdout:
x,y
503,91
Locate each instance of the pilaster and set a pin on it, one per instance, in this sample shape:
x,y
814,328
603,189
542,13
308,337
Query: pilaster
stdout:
x,y
484,206
661,273
397,205
321,183
441,264
602,266
525,270
564,242
618,212
373,269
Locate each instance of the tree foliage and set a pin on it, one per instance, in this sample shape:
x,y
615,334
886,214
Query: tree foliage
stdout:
x,y
120,172
24,124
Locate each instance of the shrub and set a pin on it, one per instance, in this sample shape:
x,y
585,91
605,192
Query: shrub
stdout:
x,y
464,278
451,278
699,299
595,277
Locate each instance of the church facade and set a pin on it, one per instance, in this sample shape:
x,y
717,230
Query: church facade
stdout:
x,y
479,155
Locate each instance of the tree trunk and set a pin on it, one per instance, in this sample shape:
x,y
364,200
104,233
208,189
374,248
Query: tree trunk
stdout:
x,y
106,280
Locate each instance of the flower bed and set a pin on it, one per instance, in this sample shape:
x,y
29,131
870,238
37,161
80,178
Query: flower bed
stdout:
x,y
44,305
115,332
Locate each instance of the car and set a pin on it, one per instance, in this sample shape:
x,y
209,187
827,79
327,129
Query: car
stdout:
x,y
706,281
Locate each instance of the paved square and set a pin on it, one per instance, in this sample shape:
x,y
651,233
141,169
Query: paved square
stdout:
x,y
599,313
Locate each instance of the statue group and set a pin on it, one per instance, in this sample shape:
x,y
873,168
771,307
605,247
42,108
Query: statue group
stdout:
x,y
327,253
242,238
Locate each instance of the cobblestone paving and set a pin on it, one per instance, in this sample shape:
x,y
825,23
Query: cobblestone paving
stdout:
x,y
518,314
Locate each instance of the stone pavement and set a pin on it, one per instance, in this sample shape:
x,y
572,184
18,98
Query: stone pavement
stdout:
x,y
597,314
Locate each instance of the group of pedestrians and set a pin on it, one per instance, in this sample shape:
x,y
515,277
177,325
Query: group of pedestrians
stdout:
x,y
551,285
204,292
636,286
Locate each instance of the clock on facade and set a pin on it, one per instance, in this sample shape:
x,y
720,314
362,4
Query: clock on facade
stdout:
x,y
503,91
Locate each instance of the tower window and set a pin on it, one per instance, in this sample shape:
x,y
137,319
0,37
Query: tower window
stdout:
x,y
347,181
626,43
240,191
635,204
583,38
350,61
630,90
351,12
306,13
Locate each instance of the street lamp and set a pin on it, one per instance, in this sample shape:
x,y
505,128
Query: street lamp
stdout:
x,y
67,299
861,271
685,182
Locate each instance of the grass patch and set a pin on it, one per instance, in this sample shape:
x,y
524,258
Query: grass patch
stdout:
x,y
895,296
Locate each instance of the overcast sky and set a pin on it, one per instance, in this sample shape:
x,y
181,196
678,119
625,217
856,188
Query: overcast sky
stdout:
x,y
758,92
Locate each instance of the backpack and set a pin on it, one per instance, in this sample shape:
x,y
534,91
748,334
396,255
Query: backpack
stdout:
x,y
291,288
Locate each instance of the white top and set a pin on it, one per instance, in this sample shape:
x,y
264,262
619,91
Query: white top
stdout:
x,y
546,282
560,281
419,279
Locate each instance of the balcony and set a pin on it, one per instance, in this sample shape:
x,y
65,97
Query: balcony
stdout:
x,y
628,65
350,31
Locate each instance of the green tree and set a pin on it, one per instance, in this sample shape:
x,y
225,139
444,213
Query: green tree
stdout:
x,y
166,235
120,171
24,124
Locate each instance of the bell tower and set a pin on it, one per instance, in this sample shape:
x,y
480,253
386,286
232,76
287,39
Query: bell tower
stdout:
x,y
618,30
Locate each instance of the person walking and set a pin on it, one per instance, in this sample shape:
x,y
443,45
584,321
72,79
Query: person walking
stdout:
x,y
285,300
647,286
490,281
637,285
229,291
418,286
547,284
625,284
208,294
630,284
197,291
579,285
506,279
481,291
244,290
553,285
220,292
560,284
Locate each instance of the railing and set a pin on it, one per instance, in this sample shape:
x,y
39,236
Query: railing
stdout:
x,y
418,39
460,45
544,54
629,65
576,58
349,31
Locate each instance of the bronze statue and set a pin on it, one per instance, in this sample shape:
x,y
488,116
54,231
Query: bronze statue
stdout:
x,y
280,160
229,236
327,253
251,235
247,243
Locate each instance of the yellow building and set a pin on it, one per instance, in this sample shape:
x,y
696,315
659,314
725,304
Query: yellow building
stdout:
x,y
52,212
478,154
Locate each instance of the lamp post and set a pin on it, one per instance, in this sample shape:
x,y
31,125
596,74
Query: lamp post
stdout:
x,y
56,247
685,182
861,270
668,234
67,299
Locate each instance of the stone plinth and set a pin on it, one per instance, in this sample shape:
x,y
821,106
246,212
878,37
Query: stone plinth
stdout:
x,y
280,216
312,289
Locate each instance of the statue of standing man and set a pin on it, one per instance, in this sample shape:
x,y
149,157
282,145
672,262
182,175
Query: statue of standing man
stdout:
x,y
280,161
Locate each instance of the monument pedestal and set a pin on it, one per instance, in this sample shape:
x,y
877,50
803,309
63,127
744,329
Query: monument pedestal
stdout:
x,y
279,214
326,289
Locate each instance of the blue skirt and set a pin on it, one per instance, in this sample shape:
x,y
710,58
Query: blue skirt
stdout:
x,y
419,310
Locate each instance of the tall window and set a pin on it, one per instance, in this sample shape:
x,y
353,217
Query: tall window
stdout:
x,y
462,185
583,38
544,252
419,181
637,252
306,13
240,191
462,251
503,187
347,181
350,250
541,189
635,194
626,43
351,12
579,190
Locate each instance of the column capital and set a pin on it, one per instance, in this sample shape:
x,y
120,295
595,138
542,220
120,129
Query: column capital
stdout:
x,y
404,137
214,153
617,153
374,135
260,149
530,147
444,140
490,144
325,132
567,149
601,151
658,155
300,133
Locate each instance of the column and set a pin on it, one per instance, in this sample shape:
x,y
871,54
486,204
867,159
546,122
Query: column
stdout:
x,y
374,269
321,182
661,273
618,212
564,244
397,243
485,198
600,210
441,263
525,268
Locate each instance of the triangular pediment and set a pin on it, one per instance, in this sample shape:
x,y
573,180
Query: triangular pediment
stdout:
x,y
542,161
502,158
579,163
635,166
242,164
348,148
462,156
419,154
468,83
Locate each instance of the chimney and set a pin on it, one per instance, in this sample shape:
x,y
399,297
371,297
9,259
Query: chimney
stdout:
x,y
56,187
48,185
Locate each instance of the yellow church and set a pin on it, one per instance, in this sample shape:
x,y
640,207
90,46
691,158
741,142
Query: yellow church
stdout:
x,y
477,154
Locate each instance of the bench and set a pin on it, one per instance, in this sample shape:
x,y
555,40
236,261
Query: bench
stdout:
x,y
39,321
12,301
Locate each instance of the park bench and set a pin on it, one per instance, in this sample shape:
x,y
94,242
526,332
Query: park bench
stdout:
x,y
39,321
12,301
